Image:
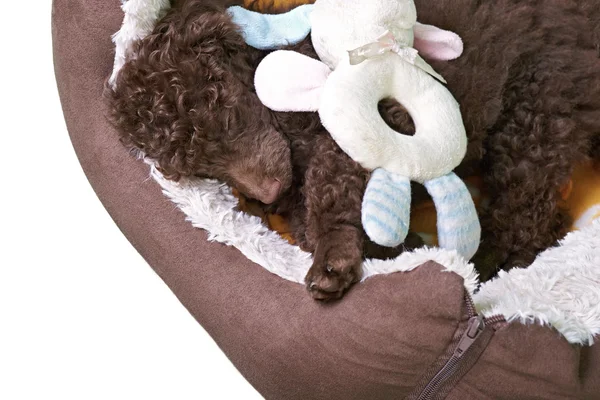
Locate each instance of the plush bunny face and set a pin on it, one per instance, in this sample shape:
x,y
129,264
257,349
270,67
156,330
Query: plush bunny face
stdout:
x,y
342,25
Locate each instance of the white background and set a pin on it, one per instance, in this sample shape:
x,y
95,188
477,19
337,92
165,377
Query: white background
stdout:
x,y
77,323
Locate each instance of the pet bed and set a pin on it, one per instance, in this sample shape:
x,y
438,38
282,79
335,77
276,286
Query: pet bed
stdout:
x,y
413,334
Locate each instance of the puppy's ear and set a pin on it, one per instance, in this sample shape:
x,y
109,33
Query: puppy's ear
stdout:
x,y
289,81
437,44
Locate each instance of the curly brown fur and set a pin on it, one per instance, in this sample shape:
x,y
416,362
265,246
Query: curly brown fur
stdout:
x,y
528,88
187,101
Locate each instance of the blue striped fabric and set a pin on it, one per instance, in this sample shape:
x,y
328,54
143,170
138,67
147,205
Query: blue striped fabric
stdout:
x,y
457,222
386,208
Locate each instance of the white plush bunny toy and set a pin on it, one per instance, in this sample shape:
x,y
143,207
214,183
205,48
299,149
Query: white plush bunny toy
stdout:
x,y
369,52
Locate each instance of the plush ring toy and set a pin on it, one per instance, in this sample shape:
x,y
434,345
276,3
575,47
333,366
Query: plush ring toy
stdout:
x,y
368,55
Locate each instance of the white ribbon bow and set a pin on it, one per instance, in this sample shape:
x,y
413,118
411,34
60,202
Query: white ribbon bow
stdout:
x,y
388,43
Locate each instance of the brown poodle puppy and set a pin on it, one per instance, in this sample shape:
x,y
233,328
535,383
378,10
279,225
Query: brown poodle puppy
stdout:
x,y
187,100
528,85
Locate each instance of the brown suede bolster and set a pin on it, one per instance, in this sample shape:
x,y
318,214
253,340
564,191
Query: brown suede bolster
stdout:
x,y
375,344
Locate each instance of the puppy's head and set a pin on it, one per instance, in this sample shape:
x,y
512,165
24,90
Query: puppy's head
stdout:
x,y
187,101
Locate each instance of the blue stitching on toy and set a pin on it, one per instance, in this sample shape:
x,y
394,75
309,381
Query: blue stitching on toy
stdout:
x,y
380,206
455,231
388,196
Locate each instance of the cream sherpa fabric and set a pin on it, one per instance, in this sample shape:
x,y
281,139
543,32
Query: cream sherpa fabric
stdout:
x,y
561,288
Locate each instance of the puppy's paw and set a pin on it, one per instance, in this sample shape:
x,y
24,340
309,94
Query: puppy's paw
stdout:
x,y
337,265
330,280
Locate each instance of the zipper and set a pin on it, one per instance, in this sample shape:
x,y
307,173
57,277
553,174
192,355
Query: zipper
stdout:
x,y
474,329
475,326
472,312
494,319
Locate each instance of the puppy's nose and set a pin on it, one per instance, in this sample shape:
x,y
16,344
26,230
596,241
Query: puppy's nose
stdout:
x,y
271,190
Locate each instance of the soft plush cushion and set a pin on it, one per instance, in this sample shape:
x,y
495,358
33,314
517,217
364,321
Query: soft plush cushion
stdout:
x,y
382,341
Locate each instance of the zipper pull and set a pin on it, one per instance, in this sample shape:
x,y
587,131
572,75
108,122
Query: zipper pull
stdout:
x,y
474,329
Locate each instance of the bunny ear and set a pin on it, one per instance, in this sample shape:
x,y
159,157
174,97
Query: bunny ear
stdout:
x,y
268,32
437,44
289,81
